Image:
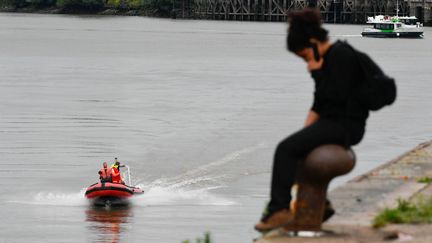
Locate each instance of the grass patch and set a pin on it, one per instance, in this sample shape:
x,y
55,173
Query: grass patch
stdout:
x,y
206,239
406,212
425,179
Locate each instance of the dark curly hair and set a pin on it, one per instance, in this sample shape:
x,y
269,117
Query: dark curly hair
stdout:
x,y
304,25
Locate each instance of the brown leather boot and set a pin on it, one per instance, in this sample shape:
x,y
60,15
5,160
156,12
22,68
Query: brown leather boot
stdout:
x,y
276,220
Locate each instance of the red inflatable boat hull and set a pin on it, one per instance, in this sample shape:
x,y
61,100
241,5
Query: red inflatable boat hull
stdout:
x,y
102,193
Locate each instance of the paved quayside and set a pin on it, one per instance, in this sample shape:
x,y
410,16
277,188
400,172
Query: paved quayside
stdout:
x,y
359,201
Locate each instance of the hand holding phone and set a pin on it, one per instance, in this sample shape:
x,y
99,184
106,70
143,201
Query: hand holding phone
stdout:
x,y
315,52
317,61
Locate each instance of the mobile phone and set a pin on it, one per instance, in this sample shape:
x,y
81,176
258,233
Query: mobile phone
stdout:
x,y
315,52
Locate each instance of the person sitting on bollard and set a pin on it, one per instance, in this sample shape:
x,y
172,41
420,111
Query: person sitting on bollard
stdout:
x,y
335,117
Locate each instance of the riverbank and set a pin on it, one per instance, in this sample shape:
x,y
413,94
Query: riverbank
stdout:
x,y
109,12
361,199
151,8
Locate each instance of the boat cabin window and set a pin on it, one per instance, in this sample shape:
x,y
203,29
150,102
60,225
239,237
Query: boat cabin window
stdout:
x,y
384,26
409,21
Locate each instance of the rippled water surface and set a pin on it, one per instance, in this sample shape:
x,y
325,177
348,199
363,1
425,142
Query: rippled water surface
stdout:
x,y
195,108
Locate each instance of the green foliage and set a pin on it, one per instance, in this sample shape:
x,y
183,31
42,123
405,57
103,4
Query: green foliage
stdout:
x,y
206,239
425,179
125,4
158,4
406,212
147,3
6,3
41,3
162,6
27,3
81,4
113,3
134,4
14,3
387,216
165,5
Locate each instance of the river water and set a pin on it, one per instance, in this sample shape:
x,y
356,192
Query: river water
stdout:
x,y
195,108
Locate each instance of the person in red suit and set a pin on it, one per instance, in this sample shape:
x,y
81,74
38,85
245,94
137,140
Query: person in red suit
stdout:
x,y
115,173
105,173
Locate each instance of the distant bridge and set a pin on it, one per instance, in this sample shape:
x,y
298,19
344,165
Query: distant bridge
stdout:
x,y
333,11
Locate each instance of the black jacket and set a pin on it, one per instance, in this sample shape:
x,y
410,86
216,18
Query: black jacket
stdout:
x,y
335,85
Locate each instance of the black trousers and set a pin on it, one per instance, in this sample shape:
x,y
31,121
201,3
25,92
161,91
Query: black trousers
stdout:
x,y
294,149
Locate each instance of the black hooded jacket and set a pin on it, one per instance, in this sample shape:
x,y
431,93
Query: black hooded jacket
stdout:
x,y
335,85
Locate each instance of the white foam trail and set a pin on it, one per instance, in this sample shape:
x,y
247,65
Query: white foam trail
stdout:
x,y
162,196
192,187
226,159
201,174
57,199
165,191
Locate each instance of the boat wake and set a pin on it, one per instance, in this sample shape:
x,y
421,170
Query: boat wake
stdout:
x,y
155,195
194,187
166,196
56,199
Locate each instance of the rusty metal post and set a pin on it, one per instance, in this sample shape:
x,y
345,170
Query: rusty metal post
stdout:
x,y
315,173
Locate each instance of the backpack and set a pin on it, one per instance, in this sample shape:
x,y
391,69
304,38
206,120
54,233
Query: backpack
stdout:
x,y
376,89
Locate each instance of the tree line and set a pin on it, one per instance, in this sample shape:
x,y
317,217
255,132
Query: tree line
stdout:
x,y
90,5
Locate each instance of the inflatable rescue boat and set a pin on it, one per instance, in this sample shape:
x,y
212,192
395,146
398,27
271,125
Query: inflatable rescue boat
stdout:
x,y
106,194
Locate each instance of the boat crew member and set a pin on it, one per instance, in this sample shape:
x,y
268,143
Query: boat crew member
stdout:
x,y
115,173
105,173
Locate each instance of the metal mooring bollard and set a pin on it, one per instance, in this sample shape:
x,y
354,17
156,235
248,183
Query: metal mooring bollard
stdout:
x,y
315,173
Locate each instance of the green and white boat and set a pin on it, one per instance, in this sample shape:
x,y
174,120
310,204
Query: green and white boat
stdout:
x,y
396,27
